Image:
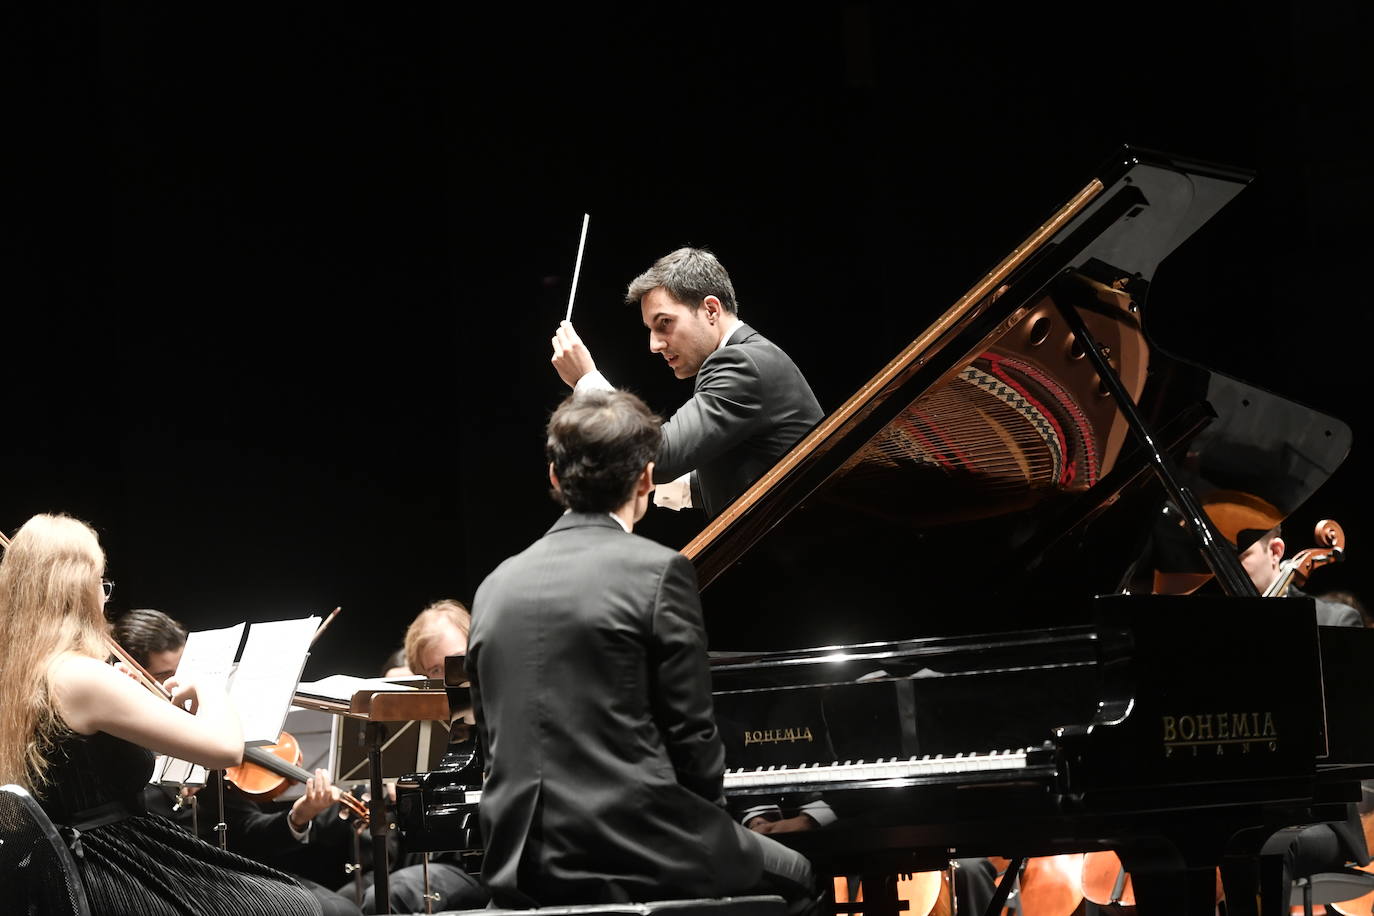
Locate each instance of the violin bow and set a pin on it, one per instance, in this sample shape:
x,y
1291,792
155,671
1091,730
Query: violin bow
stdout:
x,y
319,631
141,674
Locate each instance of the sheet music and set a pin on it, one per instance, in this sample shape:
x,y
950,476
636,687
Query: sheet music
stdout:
x,y
209,656
259,687
341,687
169,771
267,674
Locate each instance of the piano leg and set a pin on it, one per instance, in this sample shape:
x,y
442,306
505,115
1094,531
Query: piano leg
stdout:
x,y
1167,884
1004,887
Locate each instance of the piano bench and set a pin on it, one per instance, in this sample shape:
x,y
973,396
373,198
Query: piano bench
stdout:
x,y
762,905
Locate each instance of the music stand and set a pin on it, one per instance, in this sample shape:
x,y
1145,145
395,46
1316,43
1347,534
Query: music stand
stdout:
x,y
378,709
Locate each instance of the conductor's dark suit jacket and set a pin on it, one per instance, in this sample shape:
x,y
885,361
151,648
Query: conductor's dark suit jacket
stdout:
x,y
750,404
592,692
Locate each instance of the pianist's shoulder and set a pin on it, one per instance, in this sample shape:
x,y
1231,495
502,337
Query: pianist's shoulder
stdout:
x,y
594,550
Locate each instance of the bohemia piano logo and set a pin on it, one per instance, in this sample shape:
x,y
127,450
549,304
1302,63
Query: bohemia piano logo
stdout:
x,y
778,735
1222,733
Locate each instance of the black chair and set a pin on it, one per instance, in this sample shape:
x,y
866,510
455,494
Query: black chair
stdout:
x,y
763,905
1330,887
38,871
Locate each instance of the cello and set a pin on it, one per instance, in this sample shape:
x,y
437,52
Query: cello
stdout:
x,y
1046,885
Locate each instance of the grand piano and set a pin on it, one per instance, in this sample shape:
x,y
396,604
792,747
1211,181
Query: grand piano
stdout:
x,y
1024,455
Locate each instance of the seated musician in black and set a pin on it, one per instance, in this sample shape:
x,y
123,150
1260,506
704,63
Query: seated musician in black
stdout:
x,y
1253,526
1346,597
274,837
1320,847
1261,559
440,630
592,692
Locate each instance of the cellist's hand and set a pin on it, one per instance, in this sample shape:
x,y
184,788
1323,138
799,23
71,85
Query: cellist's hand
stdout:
x,y
320,793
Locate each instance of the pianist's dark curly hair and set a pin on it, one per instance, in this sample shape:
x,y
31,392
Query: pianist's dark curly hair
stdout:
x,y
599,443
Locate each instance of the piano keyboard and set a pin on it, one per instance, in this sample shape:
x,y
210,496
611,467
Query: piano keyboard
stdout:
x,y
818,775
893,768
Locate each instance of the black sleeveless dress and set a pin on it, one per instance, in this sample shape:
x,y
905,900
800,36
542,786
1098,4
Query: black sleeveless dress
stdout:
x,y
142,865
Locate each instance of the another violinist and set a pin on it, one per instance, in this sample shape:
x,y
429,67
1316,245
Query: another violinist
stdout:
x,y
155,641
271,836
439,631
81,737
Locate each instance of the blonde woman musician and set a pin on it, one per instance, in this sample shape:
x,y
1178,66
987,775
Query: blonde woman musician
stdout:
x,y
81,737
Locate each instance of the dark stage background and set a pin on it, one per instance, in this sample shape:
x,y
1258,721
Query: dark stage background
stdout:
x,y
278,308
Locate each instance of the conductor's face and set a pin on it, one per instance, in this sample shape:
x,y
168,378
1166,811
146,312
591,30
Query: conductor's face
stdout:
x,y
680,335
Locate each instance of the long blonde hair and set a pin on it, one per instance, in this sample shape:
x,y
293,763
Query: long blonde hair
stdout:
x,y
50,603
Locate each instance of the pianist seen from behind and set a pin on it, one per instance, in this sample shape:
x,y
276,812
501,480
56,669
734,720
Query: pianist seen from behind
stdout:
x,y
590,682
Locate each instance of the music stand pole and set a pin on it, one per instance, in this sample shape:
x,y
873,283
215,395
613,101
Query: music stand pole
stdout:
x,y
381,884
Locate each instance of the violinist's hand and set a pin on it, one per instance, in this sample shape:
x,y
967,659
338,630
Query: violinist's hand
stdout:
x,y
571,357
320,793
131,673
184,693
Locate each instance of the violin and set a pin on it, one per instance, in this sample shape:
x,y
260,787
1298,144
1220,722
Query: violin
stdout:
x,y
266,772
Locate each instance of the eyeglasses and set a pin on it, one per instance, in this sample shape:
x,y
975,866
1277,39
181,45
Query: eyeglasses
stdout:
x,y
107,587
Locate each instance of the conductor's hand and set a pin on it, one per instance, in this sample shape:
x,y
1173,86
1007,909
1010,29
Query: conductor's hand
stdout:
x,y
184,693
319,795
570,355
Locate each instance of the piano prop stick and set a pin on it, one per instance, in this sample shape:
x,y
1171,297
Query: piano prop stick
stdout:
x,y
577,268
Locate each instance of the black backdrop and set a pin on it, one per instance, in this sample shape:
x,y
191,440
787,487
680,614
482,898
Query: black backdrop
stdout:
x,y
282,280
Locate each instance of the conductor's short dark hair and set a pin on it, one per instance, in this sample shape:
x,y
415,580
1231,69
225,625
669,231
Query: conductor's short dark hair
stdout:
x,y
599,442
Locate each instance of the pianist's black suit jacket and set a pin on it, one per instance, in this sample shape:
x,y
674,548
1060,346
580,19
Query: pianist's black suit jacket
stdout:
x,y
590,682
750,404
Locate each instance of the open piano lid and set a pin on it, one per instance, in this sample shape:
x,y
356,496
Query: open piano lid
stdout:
x,y
962,488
